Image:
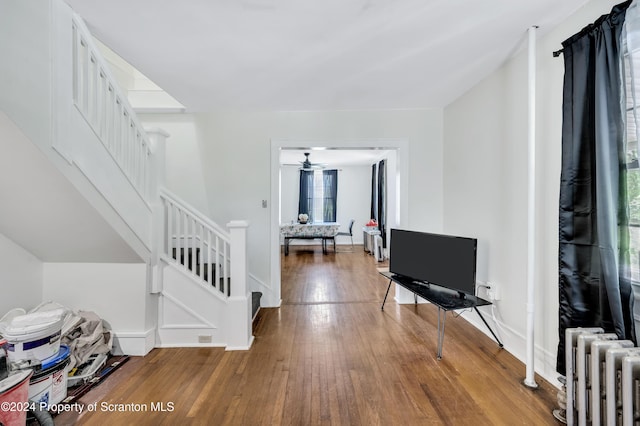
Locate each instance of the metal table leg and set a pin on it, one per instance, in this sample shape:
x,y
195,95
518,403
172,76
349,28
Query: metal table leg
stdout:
x,y
490,329
385,296
441,314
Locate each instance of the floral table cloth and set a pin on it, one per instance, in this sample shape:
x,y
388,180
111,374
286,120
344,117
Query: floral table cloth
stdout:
x,y
308,230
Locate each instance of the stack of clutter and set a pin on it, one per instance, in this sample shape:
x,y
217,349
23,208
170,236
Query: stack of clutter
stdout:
x,y
372,225
42,347
90,343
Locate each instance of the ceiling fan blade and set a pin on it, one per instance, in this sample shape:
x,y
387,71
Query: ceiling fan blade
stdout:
x,y
307,164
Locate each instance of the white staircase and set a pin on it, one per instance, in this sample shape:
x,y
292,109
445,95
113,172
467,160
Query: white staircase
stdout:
x,y
202,279
76,115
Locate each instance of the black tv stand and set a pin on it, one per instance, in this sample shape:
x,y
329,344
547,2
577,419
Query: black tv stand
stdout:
x,y
443,298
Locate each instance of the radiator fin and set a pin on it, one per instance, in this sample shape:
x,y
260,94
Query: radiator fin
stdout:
x,y
602,381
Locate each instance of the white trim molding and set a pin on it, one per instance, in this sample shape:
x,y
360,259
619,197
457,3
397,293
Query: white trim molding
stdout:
x,y
136,343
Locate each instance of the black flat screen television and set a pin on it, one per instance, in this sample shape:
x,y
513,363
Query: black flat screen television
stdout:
x,y
444,260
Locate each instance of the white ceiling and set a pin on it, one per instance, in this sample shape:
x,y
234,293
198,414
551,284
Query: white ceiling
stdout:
x,y
317,55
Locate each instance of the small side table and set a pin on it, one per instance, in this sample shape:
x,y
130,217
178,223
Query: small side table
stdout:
x,y
368,234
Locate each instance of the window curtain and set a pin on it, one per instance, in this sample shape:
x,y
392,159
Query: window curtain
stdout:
x,y
382,201
330,182
374,209
305,200
594,287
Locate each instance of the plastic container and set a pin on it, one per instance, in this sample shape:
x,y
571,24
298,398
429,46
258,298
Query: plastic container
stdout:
x,y
32,336
70,320
49,385
14,390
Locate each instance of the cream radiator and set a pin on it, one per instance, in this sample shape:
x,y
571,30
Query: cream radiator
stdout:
x,y
602,379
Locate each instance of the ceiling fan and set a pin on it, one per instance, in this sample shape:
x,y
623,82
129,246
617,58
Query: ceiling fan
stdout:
x,y
307,164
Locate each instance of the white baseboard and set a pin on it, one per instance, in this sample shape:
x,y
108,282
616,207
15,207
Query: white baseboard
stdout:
x,y
133,343
184,336
515,343
190,345
241,348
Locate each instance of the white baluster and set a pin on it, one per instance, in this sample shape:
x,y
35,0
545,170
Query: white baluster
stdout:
x,y
168,243
216,283
208,259
199,264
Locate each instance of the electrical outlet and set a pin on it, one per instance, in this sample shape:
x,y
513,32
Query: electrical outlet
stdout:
x,y
482,289
491,291
495,291
204,339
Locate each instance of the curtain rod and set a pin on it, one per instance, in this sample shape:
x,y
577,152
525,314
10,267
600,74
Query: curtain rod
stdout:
x,y
558,53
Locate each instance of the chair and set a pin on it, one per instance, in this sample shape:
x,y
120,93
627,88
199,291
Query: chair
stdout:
x,y
346,234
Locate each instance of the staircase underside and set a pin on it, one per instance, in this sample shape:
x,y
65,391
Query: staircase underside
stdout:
x,y
45,214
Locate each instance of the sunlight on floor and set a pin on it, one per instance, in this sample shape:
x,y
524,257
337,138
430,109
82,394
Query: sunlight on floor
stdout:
x,y
321,316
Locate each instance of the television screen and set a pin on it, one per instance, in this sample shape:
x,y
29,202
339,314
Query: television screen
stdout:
x,y
443,260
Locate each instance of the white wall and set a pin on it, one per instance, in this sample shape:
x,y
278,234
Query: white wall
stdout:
x,y
184,159
289,186
20,277
118,293
237,184
485,184
25,87
353,200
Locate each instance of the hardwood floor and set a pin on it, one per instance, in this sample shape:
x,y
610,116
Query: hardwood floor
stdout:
x,y
329,355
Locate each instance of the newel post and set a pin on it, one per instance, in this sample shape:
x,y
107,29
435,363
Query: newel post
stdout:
x,y
155,181
238,324
157,161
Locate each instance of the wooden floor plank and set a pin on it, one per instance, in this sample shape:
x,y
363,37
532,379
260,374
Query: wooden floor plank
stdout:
x,y
330,356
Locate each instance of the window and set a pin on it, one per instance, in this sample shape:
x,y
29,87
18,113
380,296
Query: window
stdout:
x,y
318,194
632,92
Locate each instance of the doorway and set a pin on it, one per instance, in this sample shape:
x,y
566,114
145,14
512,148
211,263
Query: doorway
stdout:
x,y
336,155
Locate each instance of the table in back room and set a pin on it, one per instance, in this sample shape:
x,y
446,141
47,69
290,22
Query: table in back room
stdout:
x,y
309,231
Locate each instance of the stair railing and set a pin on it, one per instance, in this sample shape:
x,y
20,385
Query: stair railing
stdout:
x,y
98,98
213,258
195,244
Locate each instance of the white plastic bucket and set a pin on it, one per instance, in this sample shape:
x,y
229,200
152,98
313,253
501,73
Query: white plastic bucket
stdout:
x,y
33,336
49,385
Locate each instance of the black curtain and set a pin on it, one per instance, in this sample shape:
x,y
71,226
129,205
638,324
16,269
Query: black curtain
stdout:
x,y
330,182
382,201
305,200
593,219
374,209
